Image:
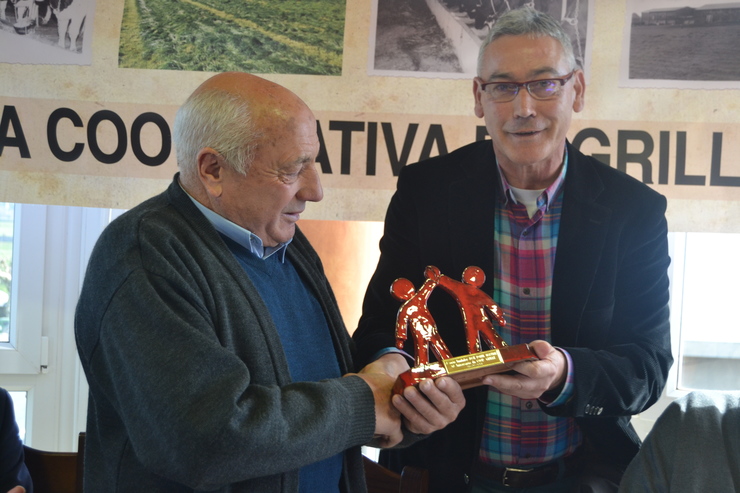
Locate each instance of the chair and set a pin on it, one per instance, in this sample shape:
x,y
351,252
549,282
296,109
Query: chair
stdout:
x,y
56,472
382,480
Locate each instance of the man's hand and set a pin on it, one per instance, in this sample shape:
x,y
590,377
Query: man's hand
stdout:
x,y
387,418
431,407
392,364
533,378
17,489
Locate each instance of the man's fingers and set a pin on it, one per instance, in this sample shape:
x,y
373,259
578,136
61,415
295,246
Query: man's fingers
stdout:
x,y
533,378
432,406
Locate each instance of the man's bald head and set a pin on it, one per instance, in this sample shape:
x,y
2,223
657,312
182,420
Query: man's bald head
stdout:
x,y
231,113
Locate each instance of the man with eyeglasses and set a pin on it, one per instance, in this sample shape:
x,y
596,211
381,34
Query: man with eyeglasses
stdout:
x,y
576,255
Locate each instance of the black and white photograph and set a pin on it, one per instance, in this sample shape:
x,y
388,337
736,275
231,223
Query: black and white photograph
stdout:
x,y
441,38
691,44
55,32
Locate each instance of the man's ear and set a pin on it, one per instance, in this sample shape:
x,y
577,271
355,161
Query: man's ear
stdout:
x,y
211,171
477,94
580,88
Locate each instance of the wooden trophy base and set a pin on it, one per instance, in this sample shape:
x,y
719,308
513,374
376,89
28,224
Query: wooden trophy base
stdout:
x,y
467,370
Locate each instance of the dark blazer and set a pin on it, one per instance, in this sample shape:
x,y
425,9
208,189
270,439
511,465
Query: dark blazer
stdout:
x,y
609,296
13,471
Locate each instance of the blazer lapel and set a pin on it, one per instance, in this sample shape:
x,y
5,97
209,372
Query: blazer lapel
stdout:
x,y
583,228
472,225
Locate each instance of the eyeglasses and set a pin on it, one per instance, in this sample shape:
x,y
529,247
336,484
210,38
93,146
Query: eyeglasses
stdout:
x,y
541,89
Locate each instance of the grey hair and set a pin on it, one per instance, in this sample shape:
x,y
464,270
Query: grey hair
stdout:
x,y
217,119
527,21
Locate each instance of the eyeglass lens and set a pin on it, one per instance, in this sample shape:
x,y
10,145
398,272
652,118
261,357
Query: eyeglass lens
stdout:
x,y
540,89
544,88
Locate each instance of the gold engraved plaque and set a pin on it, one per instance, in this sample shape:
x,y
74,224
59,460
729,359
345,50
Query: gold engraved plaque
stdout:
x,y
472,361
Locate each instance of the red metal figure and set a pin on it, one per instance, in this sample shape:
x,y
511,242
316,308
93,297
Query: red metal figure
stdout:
x,y
415,314
476,307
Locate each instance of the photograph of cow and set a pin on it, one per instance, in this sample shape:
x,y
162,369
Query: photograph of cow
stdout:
x,y
441,38
45,31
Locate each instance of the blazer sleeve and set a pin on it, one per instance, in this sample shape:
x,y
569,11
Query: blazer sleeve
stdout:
x,y
621,348
429,221
376,326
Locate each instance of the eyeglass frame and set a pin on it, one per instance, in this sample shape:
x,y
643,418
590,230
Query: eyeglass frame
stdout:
x,y
562,80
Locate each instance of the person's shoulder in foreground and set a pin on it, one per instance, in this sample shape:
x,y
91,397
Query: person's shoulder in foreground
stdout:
x,y
693,446
14,476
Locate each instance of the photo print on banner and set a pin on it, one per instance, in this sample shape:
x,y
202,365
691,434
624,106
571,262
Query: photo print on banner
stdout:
x,y
264,37
683,44
441,38
46,32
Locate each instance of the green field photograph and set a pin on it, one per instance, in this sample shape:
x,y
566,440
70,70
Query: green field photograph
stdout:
x,y
258,36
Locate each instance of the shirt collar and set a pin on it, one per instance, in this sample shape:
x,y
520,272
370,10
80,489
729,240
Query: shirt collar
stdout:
x,y
547,195
242,236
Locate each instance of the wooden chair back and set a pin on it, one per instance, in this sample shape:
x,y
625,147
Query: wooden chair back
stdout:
x,y
56,472
382,480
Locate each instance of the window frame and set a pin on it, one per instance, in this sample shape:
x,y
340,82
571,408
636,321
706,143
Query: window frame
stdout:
x,y
54,244
23,353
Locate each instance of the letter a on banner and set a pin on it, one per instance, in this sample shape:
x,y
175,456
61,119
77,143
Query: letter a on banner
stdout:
x,y
10,115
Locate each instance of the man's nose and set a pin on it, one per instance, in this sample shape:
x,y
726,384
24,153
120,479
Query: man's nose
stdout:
x,y
311,189
524,103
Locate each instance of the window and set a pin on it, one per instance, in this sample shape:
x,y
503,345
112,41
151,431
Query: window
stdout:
x,y
704,297
6,266
38,361
19,407
21,344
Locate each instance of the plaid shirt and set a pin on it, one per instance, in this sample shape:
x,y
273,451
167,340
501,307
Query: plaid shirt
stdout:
x,y
516,431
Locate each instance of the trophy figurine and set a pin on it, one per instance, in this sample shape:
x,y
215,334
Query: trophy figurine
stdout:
x,y
478,313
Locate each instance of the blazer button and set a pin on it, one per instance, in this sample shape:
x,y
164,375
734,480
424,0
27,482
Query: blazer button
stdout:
x,y
466,479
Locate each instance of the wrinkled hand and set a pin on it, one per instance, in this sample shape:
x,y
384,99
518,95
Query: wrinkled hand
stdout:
x,y
387,418
431,407
533,378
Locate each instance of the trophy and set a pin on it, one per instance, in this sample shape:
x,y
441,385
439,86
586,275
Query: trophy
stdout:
x,y
478,312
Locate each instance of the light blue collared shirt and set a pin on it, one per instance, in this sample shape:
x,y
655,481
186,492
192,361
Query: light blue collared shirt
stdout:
x,y
242,236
